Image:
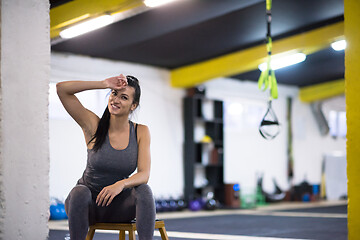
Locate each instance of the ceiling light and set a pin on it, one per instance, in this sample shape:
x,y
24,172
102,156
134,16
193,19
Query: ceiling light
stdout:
x,y
284,61
156,3
87,26
339,45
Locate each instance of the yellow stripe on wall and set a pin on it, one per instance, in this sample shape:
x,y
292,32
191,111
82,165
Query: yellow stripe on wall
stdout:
x,y
249,59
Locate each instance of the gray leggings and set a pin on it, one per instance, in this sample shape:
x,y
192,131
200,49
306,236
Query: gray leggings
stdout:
x,y
134,202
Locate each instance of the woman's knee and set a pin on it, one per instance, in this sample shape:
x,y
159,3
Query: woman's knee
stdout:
x,y
143,192
80,195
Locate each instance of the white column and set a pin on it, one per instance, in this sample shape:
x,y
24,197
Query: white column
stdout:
x,y
24,144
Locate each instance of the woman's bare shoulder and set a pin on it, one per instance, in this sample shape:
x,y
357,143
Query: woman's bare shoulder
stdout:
x,y
142,130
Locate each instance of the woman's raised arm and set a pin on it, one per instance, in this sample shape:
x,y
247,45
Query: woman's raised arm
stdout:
x,y
87,120
66,92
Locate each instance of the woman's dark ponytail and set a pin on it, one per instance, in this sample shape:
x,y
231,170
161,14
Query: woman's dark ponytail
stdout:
x,y
102,130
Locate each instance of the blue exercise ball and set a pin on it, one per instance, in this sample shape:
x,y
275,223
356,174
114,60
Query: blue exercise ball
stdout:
x,y
57,212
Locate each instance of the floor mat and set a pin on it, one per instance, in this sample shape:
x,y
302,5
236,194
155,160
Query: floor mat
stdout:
x,y
269,226
247,225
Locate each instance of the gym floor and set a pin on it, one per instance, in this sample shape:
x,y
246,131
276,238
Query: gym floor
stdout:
x,y
315,220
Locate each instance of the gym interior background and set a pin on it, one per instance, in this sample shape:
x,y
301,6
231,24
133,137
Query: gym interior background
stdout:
x,y
215,47
245,152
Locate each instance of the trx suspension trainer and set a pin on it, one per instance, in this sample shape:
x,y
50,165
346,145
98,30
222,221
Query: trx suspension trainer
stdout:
x,y
269,127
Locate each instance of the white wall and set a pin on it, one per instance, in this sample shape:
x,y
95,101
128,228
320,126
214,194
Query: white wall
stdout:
x,y
309,146
247,154
24,152
160,109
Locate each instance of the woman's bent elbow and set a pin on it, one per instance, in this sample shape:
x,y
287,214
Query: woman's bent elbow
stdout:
x,y
59,88
146,180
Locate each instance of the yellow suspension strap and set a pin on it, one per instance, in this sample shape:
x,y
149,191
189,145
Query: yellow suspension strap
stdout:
x,y
267,79
269,127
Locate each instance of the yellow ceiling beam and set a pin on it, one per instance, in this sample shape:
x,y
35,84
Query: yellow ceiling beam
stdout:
x,y
249,59
322,91
79,10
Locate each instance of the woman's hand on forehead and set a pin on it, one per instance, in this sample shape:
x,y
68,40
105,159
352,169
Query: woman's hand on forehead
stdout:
x,y
122,77
116,83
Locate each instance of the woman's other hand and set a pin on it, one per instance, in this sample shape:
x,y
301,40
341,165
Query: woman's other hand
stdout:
x,y
116,83
108,193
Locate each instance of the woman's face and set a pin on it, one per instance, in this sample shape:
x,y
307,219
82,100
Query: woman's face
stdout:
x,y
121,101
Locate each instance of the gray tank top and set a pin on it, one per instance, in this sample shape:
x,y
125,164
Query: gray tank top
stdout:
x,y
109,165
